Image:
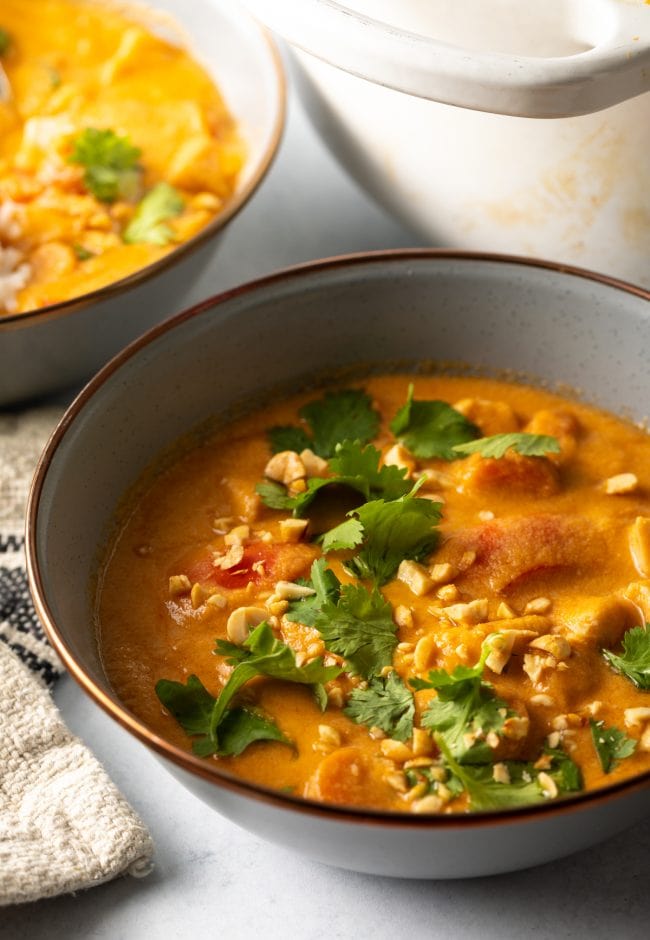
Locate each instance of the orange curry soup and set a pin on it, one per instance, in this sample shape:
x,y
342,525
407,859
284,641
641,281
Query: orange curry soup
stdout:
x,y
115,147
406,626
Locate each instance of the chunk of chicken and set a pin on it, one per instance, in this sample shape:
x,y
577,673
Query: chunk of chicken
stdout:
x,y
491,417
596,621
514,548
535,476
559,423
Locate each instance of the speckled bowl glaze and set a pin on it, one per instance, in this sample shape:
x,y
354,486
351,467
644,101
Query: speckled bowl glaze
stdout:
x,y
497,313
63,344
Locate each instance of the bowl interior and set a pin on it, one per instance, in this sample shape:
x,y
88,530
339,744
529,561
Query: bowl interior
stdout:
x,y
500,315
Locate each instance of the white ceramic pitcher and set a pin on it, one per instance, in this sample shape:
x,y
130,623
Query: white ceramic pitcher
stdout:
x,y
507,125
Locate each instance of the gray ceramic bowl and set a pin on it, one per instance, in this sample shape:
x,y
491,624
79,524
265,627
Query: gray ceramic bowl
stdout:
x,y
495,312
63,344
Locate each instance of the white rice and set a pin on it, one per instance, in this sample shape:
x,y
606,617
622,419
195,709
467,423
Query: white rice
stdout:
x,y
14,270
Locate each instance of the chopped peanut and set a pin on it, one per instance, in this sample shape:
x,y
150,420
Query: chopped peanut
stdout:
x,y
398,456
424,652
428,804
637,717
538,605
442,573
474,612
505,611
548,785
285,467
554,644
415,576
179,584
292,530
288,591
500,773
639,541
237,535
403,617
448,593
314,466
621,484
242,620
396,751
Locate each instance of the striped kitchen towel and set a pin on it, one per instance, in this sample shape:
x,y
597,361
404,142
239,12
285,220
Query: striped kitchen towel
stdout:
x,y
63,824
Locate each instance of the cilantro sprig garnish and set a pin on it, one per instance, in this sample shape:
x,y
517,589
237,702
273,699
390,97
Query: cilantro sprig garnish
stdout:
x,y
386,703
611,744
354,623
111,169
388,533
201,714
524,786
347,415
359,627
192,707
327,587
431,428
634,662
464,711
149,222
496,446
435,429
354,466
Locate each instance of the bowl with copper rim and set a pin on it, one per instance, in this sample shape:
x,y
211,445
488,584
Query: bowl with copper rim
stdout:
x,y
562,324
62,344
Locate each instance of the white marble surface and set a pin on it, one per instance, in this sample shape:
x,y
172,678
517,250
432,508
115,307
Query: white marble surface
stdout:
x,y
213,880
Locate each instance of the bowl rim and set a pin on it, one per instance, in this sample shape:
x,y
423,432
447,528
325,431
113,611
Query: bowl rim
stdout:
x,y
200,767
369,45
17,321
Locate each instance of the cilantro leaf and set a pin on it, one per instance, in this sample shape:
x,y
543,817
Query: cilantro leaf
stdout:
x,y
359,626
486,793
148,224
275,496
431,428
271,657
346,415
5,41
327,587
348,534
464,711
288,437
241,727
192,706
611,744
110,164
262,654
354,623
392,531
387,704
496,446
354,466
357,466
634,663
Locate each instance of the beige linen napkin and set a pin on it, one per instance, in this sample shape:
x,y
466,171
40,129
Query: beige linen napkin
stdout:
x,y
63,824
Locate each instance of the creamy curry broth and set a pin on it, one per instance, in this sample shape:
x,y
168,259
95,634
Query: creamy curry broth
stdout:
x,y
74,65
534,549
